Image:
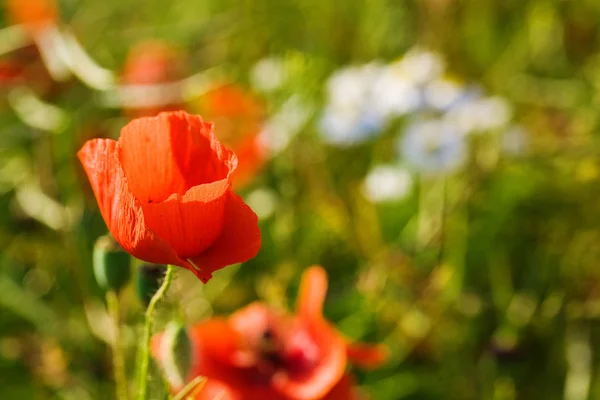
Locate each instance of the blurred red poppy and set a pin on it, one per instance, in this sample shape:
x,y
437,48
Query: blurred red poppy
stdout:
x,y
153,63
215,390
260,353
24,66
164,190
32,14
11,72
238,115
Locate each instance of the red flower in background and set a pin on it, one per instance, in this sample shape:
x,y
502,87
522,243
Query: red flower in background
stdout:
x,y
24,67
164,190
215,390
238,115
260,353
11,72
153,62
32,14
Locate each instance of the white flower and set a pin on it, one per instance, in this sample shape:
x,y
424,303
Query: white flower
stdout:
x,y
393,95
387,183
345,127
442,94
421,66
480,114
349,87
433,147
348,117
268,74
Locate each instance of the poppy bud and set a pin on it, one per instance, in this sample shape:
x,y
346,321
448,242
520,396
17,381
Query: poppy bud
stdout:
x,y
111,264
148,279
176,354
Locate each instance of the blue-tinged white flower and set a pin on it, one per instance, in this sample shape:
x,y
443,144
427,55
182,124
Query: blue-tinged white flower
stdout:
x,y
387,183
443,94
348,117
268,74
346,127
349,87
393,95
433,146
421,66
480,114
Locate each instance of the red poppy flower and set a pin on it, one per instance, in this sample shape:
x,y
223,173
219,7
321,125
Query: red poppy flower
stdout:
x,y
164,190
213,389
10,72
238,115
231,101
153,62
260,353
24,66
33,14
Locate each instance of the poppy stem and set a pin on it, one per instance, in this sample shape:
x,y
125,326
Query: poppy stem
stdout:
x,y
112,303
145,358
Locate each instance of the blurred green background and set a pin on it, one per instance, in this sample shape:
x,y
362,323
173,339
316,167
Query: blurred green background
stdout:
x,y
483,279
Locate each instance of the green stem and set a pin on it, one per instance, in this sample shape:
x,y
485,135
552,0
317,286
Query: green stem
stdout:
x,y
193,386
112,302
145,349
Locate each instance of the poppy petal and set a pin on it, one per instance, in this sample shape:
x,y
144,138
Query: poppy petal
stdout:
x,y
190,224
366,355
332,361
222,351
193,139
251,322
215,390
321,379
32,14
120,209
313,289
160,155
232,101
214,344
344,390
218,342
239,240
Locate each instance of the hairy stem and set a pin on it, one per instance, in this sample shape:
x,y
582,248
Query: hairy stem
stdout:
x,y
145,346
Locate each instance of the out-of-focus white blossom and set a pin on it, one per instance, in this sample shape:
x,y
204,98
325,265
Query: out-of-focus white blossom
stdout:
x,y
347,128
421,66
393,95
443,94
387,183
350,87
268,74
363,100
349,117
433,147
480,115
